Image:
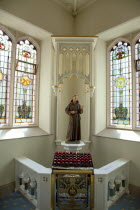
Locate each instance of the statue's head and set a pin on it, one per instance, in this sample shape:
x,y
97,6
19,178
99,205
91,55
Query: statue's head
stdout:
x,y
75,98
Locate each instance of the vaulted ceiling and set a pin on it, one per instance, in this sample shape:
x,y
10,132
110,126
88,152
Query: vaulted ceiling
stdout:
x,y
74,6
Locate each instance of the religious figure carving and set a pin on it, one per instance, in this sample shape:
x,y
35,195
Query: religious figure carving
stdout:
x,y
74,109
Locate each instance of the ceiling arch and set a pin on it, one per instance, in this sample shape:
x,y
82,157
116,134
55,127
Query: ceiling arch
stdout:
x,y
74,6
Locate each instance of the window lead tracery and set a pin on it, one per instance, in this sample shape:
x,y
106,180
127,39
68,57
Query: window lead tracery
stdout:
x,y
5,76
137,59
25,83
18,81
121,85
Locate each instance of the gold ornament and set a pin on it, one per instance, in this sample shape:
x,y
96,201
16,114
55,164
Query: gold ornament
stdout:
x,y
25,80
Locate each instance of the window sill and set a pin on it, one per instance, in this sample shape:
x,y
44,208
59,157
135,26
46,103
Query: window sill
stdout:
x,y
15,133
120,134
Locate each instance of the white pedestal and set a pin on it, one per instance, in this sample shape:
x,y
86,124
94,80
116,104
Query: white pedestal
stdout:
x,y
73,146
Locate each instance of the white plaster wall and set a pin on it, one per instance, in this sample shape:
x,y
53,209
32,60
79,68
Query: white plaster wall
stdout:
x,y
43,13
39,149
106,150
103,15
46,97
98,103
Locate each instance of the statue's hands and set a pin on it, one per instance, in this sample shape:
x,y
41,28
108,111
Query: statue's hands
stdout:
x,y
81,107
73,112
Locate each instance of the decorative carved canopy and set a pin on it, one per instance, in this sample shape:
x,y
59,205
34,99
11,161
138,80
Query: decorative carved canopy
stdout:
x,y
74,56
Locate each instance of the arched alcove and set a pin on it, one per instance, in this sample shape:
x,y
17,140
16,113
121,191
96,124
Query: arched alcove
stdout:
x,y
73,74
72,86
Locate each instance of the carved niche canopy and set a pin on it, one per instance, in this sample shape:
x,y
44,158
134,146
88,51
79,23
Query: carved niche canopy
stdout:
x,y
74,56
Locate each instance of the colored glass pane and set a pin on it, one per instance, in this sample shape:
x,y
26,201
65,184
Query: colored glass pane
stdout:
x,y
25,83
1,76
137,57
120,52
120,85
25,80
5,75
120,82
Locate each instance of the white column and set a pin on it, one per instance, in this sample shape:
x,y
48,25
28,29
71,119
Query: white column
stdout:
x,y
87,123
56,65
100,193
58,118
44,201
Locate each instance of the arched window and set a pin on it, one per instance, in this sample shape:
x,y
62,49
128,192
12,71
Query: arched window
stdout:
x,y
5,76
137,59
25,83
120,85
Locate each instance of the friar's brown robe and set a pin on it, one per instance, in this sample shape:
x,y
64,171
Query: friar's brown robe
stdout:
x,y
74,128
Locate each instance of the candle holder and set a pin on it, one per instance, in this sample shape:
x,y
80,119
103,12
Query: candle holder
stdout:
x,y
90,89
56,89
65,159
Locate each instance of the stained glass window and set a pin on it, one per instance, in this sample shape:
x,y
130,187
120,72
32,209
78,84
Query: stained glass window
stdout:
x,y
120,85
137,58
25,83
5,75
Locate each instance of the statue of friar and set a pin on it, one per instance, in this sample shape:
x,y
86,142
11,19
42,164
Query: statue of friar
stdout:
x,y
74,109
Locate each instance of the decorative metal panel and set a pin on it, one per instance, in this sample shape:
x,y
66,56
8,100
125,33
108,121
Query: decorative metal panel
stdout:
x,y
72,191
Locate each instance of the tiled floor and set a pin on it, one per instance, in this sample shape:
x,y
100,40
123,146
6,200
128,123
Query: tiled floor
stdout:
x,y
15,201
127,202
